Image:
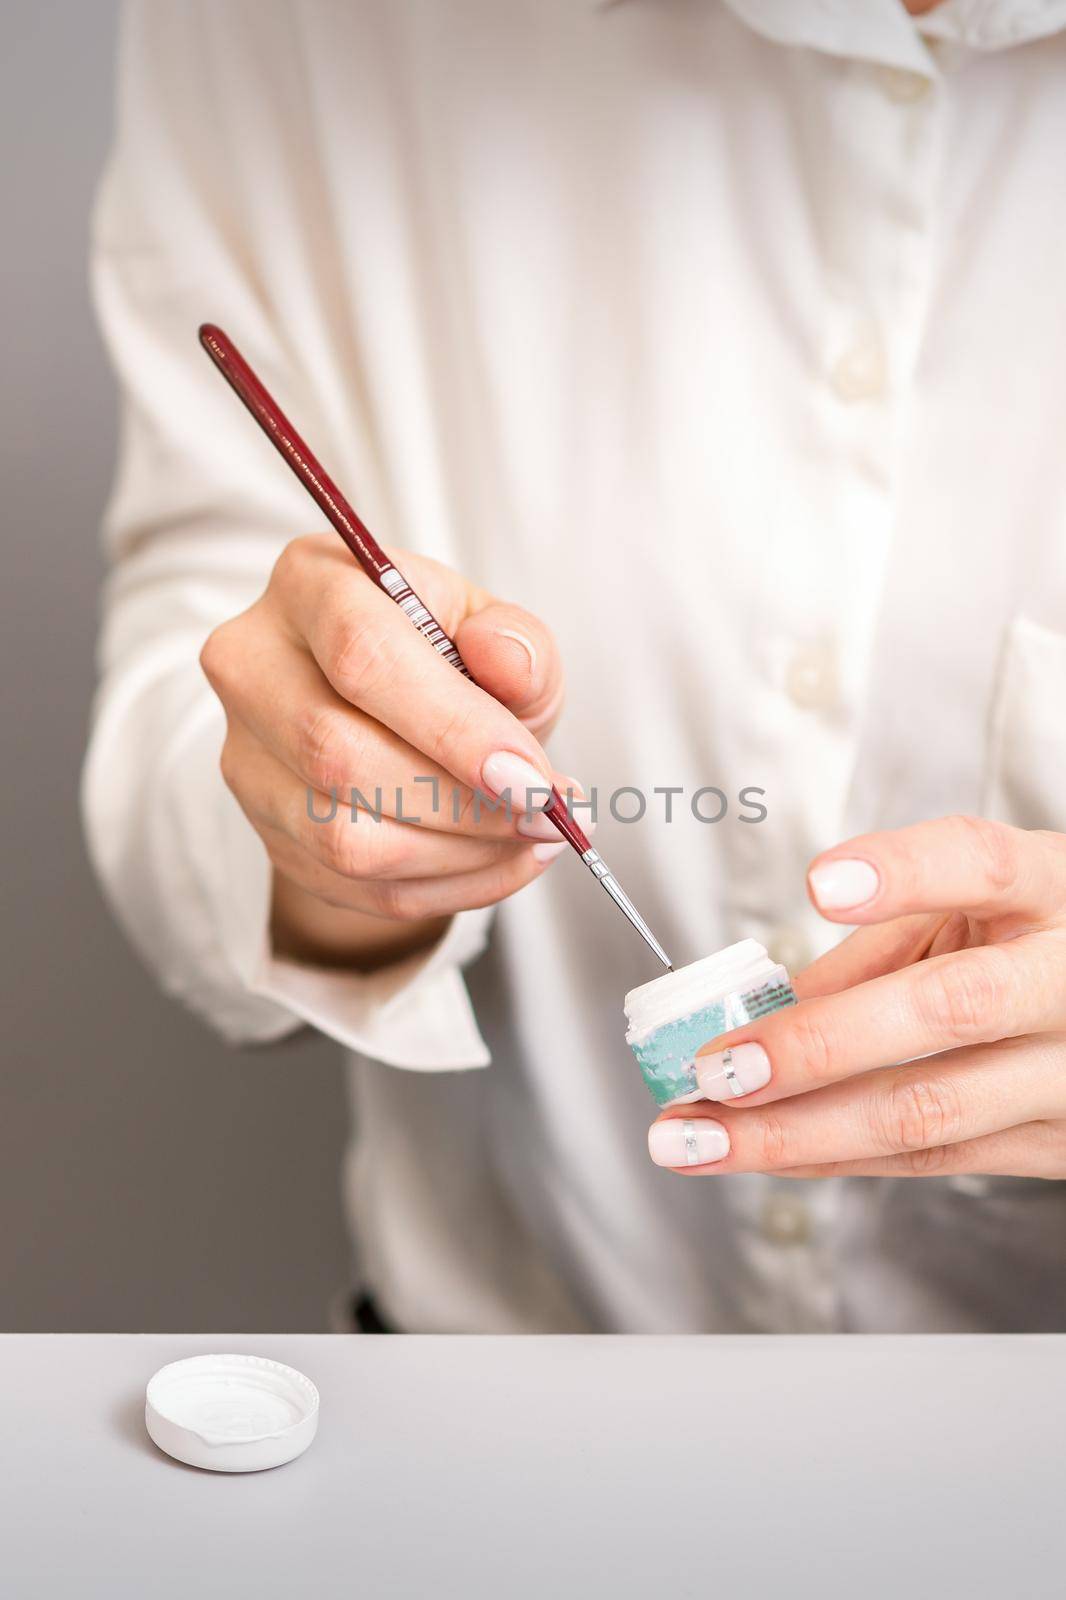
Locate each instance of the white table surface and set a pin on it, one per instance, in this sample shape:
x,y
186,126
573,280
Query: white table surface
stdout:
x,y
465,1467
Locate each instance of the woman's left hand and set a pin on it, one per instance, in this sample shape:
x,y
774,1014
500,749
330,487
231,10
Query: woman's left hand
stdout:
x,y
958,971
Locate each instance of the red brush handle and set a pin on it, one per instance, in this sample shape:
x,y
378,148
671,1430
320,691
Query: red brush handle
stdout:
x,y
356,535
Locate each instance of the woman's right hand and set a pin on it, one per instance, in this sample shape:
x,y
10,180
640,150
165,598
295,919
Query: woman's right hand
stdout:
x,y
328,688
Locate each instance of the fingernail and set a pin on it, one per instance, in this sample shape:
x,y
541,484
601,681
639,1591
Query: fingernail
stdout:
x,y
537,826
505,772
687,1142
548,852
840,885
527,645
727,1074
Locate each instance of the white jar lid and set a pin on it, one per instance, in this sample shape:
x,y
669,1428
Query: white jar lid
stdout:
x,y
231,1413
676,994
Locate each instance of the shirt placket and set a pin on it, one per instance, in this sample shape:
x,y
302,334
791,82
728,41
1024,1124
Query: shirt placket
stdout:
x,y
875,231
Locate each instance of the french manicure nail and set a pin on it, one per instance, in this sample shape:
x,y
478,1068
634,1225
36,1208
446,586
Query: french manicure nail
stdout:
x,y
687,1142
548,852
505,772
842,885
728,1074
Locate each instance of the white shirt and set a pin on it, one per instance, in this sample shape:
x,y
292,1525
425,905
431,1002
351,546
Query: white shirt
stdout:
x,y
729,339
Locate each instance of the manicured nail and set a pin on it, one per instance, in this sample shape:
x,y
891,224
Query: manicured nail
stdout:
x,y
727,1074
537,827
687,1142
505,772
526,644
842,885
548,852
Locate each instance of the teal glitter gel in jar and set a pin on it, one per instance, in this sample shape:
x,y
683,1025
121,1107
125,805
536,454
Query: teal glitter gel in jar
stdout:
x,y
672,1017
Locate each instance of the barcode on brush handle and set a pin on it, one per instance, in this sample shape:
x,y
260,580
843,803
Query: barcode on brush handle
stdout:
x,y
397,588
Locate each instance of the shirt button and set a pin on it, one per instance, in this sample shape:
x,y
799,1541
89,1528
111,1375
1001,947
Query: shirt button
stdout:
x,y
786,1219
788,948
860,372
903,87
811,679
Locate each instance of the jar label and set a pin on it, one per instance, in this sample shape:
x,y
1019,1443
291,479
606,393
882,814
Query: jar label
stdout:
x,y
667,1056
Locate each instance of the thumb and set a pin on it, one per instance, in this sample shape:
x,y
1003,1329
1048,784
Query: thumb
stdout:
x,y
868,953
511,653
515,658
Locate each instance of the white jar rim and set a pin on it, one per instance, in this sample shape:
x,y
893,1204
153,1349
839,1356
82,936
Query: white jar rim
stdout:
x,y
701,983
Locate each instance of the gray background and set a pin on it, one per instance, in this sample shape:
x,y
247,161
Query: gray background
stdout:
x,y
118,1208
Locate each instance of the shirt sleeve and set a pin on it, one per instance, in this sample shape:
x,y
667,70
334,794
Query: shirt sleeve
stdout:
x,y
200,510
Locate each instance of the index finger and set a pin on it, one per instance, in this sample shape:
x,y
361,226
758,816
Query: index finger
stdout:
x,y
986,869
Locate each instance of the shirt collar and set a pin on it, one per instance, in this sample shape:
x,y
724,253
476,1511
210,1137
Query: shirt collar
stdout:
x,y
994,24
883,30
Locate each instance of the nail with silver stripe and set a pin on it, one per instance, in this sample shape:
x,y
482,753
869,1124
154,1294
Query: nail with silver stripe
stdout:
x,y
728,1074
687,1142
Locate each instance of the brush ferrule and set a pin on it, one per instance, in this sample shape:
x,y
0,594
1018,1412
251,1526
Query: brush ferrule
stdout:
x,y
596,864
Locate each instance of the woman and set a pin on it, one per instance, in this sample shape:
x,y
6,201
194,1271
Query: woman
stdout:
x,y
725,339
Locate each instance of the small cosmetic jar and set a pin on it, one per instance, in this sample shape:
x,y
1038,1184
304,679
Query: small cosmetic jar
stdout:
x,y
672,1017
